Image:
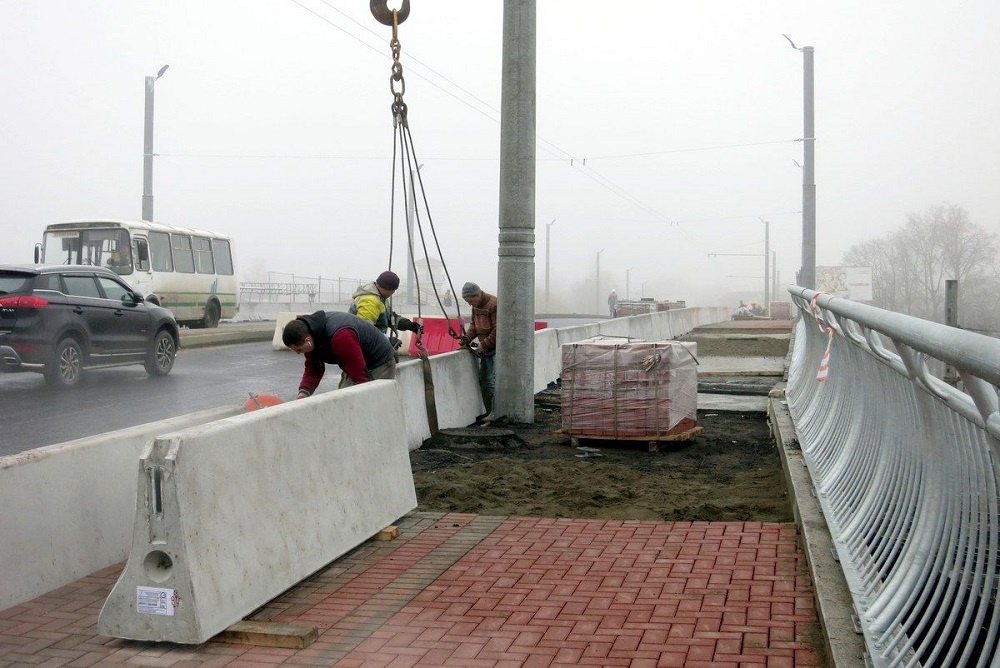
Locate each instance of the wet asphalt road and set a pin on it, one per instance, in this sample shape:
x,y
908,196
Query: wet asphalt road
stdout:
x,y
32,415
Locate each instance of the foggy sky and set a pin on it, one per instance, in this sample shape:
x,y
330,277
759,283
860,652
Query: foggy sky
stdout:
x,y
667,130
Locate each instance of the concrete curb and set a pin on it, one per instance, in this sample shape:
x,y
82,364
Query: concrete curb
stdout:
x,y
844,644
242,333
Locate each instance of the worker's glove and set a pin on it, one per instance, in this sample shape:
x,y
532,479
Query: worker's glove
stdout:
x,y
407,324
396,343
464,341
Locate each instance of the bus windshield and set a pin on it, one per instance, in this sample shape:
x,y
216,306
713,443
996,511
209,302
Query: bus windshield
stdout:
x,y
97,247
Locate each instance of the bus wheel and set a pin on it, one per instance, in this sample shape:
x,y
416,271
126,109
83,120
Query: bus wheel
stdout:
x,y
211,319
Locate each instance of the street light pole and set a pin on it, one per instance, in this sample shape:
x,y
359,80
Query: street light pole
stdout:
x,y
807,274
147,150
548,228
627,272
767,266
597,280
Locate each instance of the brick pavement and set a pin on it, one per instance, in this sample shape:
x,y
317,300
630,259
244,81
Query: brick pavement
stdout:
x,y
468,590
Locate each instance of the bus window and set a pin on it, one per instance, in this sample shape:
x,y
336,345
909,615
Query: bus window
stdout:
x,y
183,257
140,251
203,255
159,250
223,257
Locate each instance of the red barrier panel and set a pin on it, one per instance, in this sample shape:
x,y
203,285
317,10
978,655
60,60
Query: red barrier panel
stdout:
x,y
436,338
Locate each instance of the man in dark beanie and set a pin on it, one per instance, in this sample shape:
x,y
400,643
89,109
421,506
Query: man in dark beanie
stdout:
x,y
371,304
483,327
335,337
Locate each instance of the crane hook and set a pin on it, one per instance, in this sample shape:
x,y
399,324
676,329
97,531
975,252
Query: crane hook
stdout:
x,y
382,13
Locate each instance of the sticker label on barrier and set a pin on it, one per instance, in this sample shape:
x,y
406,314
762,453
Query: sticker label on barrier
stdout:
x,y
154,601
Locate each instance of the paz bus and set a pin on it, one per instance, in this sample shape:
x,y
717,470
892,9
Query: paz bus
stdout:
x,y
185,270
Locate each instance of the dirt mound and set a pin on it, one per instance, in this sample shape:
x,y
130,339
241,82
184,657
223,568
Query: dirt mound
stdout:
x,y
729,472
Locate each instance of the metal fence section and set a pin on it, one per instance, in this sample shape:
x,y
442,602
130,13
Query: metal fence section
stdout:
x,y
301,290
907,471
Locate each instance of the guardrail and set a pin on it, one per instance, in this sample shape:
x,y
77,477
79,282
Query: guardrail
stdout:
x,y
907,470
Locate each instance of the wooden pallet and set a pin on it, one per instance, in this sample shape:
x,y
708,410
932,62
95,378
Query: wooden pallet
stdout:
x,y
652,441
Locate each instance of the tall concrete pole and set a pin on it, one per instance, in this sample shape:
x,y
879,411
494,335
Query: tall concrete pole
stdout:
x,y
147,147
411,205
548,228
515,358
807,277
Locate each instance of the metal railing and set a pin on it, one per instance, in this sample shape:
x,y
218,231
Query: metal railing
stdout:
x,y
301,290
907,471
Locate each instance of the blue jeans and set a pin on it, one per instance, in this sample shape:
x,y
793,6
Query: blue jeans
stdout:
x,y
486,371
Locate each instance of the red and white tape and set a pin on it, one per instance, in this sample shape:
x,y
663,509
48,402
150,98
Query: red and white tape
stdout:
x,y
824,362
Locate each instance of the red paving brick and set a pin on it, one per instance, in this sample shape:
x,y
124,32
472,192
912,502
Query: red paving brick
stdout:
x,y
466,590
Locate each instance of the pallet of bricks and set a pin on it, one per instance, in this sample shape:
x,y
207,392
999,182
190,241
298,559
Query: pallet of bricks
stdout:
x,y
627,390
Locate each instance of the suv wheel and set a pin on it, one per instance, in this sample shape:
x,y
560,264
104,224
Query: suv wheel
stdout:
x,y
160,359
66,367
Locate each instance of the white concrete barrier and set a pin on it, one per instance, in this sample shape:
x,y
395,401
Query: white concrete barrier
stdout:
x,y
281,319
230,514
410,377
66,510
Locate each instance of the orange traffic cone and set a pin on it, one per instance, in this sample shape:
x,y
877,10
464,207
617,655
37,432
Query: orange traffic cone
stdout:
x,y
257,401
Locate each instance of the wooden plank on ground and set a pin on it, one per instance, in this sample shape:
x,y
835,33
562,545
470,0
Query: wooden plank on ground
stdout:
x,y
269,634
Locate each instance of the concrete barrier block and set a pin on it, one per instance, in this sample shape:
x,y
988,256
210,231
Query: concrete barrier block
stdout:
x,y
66,510
456,388
230,514
548,361
280,320
410,376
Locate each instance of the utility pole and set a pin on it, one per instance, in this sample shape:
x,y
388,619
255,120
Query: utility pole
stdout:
x,y
411,206
515,358
597,281
951,319
147,148
807,274
808,175
548,228
767,266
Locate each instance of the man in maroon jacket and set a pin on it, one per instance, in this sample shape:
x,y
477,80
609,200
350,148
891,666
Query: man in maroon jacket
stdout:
x,y
335,337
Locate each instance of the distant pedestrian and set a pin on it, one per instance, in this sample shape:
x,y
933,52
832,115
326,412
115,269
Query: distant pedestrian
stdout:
x,y
613,303
335,337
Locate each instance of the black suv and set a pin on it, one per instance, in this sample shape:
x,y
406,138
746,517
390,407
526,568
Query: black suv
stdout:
x,y
61,320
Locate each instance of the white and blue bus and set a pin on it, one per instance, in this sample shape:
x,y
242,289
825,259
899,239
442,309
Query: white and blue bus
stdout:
x,y
188,271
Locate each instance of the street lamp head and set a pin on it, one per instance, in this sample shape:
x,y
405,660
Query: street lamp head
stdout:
x,y
791,42
162,70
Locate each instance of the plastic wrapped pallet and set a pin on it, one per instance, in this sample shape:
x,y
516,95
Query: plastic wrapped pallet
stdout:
x,y
615,388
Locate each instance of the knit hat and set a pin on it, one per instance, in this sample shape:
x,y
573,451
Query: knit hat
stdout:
x,y
387,280
470,289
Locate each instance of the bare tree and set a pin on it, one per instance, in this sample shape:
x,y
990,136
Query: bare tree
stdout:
x,y
910,266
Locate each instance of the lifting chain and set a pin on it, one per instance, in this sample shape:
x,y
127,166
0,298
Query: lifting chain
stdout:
x,y
397,84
